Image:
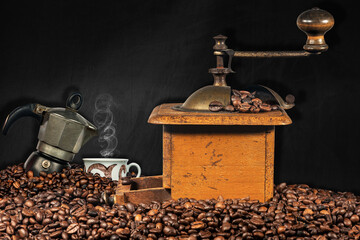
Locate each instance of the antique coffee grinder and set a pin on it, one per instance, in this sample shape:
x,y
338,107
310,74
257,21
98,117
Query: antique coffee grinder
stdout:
x,y
207,154
314,22
62,133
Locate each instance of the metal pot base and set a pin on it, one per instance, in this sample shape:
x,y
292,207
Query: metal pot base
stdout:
x,y
40,162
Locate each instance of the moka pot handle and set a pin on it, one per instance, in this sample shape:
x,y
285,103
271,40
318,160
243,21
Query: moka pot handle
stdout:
x,y
30,110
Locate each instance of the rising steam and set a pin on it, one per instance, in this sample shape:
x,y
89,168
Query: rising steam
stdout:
x,y
104,120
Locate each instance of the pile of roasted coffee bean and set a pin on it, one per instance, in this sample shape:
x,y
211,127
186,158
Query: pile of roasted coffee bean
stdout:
x,y
68,205
243,101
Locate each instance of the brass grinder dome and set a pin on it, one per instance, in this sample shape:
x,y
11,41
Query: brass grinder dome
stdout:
x,y
201,98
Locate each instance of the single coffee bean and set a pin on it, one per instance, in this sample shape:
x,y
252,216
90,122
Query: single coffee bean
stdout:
x,y
130,207
254,109
215,106
265,107
226,226
114,237
72,228
354,218
30,174
281,229
16,185
29,203
205,234
244,107
10,230
169,231
198,225
18,200
229,108
219,238
55,234
258,235
236,100
236,92
64,236
2,227
347,222
23,233
38,216
257,221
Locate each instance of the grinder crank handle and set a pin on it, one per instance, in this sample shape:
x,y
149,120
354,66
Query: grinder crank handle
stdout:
x,y
314,23
30,110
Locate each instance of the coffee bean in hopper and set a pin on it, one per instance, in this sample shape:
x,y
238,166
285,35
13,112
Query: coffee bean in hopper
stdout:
x,y
215,106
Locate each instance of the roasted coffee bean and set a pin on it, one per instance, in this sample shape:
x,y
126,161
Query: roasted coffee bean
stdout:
x,y
236,92
72,228
64,235
198,225
265,107
236,100
55,234
23,233
256,101
354,218
226,226
244,107
169,231
216,106
229,108
254,109
29,203
257,221
39,216
30,174
255,104
2,227
130,207
68,206
10,230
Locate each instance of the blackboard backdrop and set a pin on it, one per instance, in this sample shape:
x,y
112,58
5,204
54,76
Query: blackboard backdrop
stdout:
x,y
144,53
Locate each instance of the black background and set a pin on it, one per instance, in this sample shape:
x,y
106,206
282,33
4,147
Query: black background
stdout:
x,y
144,53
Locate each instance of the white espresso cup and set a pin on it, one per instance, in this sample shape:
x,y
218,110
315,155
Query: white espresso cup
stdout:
x,y
113,168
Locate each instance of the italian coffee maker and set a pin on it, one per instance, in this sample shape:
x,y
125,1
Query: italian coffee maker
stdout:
x,y
62,133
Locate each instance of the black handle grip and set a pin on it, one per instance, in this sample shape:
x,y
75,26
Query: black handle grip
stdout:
x,y
74,101
28,110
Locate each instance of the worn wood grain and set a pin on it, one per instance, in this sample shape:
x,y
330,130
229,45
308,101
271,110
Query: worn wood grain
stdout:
x,y
167,151
208,161
164,114
269,163
147,182
144,196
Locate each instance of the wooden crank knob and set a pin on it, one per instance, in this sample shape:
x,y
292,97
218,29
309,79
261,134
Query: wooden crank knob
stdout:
x,y
315,23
